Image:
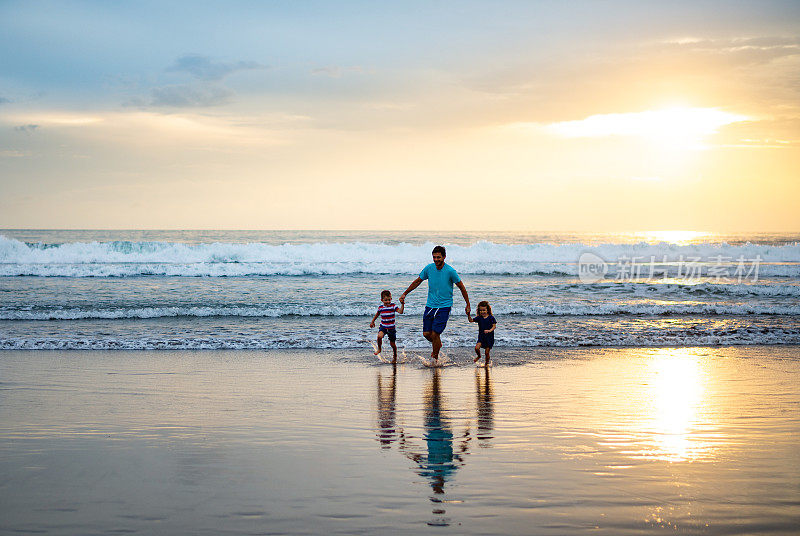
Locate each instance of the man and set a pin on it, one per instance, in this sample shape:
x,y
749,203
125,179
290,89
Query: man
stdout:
x,y
441,278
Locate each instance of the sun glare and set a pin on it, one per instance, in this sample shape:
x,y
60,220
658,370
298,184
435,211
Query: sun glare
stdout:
x,y
677,394
672,237
673,127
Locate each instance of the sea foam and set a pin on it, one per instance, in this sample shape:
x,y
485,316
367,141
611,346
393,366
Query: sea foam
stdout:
x,y
125,258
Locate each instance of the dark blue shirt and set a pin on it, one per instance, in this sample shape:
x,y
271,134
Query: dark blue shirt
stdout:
x,y
485,323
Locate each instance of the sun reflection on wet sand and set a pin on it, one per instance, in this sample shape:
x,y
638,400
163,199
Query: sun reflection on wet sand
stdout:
x,y
677,384
658,407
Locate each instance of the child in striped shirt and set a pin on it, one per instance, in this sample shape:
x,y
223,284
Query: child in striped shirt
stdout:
x,y
386,312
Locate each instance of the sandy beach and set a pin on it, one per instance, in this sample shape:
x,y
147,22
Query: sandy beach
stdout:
x,y
601,440
213,213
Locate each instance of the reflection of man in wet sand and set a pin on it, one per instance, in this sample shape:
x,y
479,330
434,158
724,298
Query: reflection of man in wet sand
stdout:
x,y
387,429
441,460
439,439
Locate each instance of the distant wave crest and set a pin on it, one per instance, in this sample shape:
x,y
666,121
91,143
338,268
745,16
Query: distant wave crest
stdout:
x,y
126,259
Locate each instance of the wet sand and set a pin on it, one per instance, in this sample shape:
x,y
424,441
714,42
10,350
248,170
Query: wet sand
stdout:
x,y
566,441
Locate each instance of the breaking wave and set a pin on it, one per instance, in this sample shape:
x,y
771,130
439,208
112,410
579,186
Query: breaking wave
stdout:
x,y
127,258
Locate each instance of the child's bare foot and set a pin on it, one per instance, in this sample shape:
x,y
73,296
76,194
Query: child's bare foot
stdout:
x,y
377,352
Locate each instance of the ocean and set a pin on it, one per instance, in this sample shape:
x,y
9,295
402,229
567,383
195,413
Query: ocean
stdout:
x,y
153,290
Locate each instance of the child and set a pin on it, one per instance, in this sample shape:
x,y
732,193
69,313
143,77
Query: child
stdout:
x,y
486,325
386,312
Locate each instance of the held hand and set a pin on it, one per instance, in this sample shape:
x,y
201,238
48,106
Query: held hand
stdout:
x,y
372,324
403,299
467,309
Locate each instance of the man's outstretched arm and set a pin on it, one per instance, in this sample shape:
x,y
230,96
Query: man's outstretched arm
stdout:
x,y
414,284
463,290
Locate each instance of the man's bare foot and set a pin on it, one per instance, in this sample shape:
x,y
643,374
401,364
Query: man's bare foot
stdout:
x,y
476,359
377,352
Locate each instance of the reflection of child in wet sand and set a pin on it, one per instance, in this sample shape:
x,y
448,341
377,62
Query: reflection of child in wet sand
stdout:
x,y
486,326
387,426
386,312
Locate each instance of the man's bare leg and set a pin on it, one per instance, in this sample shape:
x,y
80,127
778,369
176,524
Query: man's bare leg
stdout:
x,y
437,345
434,339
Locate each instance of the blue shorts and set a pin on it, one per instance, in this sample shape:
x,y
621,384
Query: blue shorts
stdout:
x,y
435,319
390,332
486,340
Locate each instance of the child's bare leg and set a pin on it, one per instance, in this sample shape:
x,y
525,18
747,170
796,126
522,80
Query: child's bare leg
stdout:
x,y
380,341
478,352
394,350
486,363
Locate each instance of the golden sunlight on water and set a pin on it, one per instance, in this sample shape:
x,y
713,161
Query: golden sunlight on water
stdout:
x,y
673,237
677,388
662,405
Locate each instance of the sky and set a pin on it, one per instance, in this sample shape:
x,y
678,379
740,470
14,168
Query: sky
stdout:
x,y
452,115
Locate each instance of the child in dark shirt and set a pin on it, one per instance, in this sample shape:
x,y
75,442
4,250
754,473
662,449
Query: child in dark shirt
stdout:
x,y
486,326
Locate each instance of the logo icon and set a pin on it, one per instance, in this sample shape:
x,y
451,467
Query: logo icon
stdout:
x,y
591,268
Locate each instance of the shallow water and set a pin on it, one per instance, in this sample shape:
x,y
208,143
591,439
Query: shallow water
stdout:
x,y
609,441
150,290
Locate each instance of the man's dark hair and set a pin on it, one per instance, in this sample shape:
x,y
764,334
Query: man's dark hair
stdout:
x,y
439,249
386,293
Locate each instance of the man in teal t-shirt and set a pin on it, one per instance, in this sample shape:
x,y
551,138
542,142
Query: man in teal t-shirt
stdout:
x,y
441,278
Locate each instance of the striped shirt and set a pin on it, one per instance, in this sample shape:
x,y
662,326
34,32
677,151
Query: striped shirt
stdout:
x,y
387,315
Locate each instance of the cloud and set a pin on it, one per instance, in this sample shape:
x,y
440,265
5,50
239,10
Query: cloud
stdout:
x,y
681,122
26,128
205,92
184,96
335,71
755,75
11,153
738,52
204,68
4,100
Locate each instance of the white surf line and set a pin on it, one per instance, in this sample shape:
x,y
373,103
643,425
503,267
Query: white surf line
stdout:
x,y
401,355
443,361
